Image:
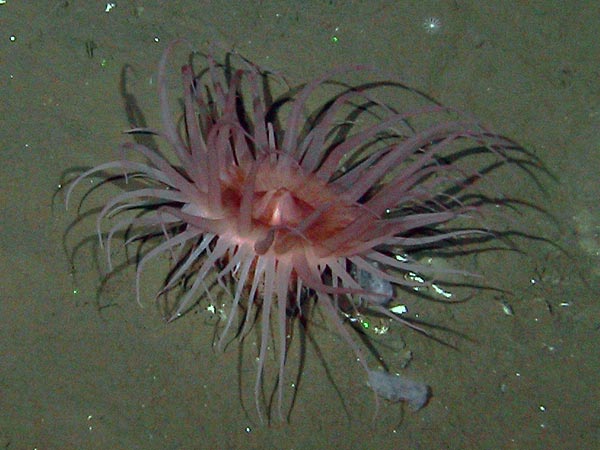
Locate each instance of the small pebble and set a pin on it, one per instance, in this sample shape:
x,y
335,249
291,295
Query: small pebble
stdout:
x,y
397,388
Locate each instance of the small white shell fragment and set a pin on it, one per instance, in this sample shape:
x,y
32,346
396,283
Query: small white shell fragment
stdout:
x,y
399,309
411,276
507,308
440,291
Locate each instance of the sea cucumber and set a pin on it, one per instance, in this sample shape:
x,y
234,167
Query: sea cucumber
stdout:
x,y
396,387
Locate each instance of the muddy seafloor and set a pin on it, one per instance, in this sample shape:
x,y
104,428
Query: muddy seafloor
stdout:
x,y
83,368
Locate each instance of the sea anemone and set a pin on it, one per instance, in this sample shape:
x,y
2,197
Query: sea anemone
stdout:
x,y
279,207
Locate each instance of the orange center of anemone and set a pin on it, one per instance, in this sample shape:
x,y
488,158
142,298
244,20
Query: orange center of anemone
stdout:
x,y
290,208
